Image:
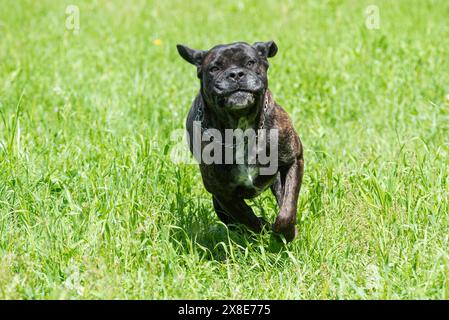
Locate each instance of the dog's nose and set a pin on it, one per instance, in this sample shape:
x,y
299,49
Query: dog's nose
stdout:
x,y
236,75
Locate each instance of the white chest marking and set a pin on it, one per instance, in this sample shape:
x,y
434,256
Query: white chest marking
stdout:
x,y
246,175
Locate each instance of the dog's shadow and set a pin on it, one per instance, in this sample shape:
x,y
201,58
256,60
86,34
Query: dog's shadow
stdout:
x,y
199,229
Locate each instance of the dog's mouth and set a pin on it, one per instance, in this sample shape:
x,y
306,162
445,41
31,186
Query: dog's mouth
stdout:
x,y
240,99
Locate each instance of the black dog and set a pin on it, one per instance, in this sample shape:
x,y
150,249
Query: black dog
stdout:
x,y
234,94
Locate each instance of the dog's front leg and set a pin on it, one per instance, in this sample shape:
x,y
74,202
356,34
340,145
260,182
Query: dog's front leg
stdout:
x,y
285,221
239,211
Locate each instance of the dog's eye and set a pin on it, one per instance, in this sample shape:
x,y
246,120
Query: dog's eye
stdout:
x,y
250,63
214,69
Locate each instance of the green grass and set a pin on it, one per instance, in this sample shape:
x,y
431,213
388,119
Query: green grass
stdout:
x,y
91,205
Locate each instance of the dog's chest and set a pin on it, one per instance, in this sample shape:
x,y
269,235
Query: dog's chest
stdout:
x,y
242,176
247,180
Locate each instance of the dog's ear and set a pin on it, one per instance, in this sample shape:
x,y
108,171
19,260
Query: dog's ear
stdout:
x,y
192,56
266,49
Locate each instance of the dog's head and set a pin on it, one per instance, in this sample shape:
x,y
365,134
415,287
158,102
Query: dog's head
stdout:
x,y
233,76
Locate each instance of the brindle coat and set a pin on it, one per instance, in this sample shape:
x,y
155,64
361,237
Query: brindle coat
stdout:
x,y
219,105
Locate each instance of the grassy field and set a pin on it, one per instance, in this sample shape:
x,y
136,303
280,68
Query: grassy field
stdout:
x,y
91,206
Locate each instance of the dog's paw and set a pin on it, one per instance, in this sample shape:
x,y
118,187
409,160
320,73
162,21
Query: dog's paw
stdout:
x,y
288,230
